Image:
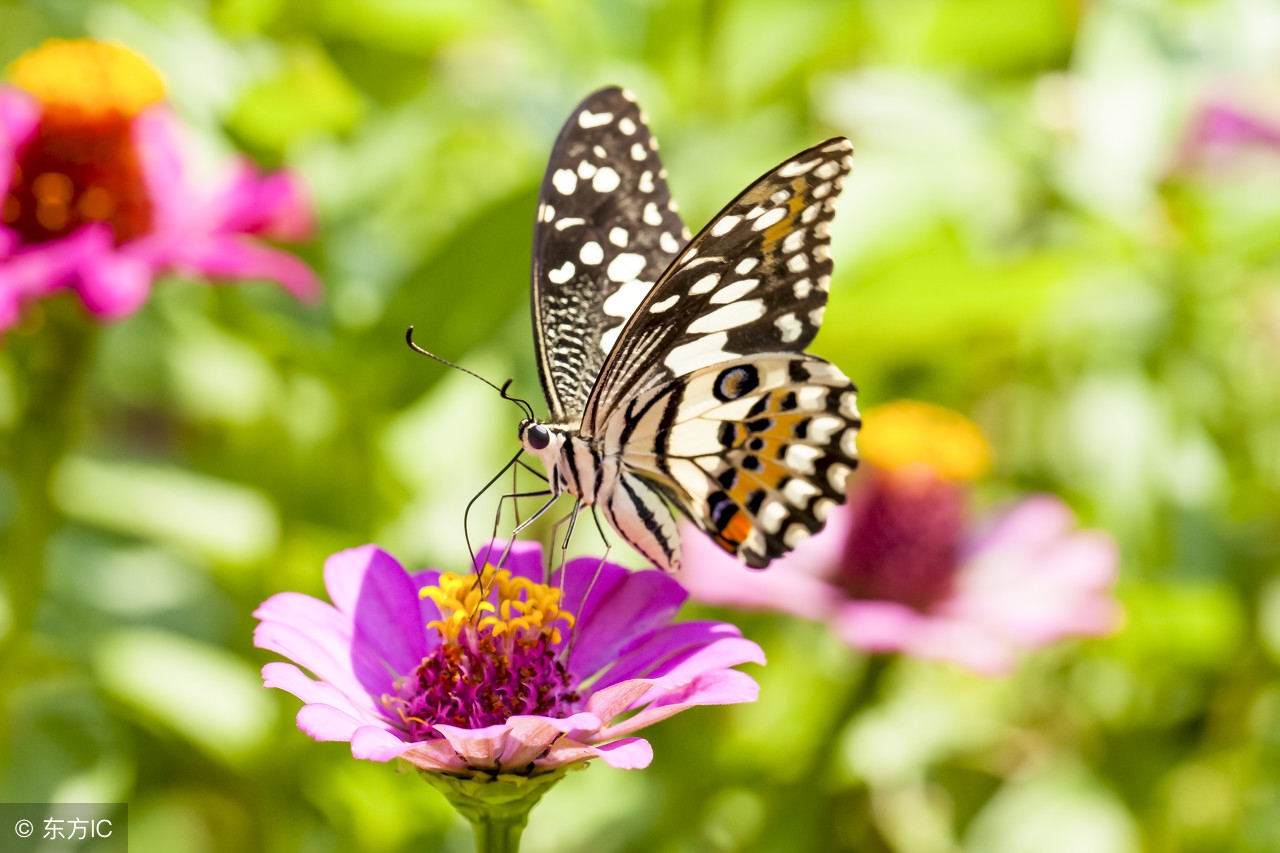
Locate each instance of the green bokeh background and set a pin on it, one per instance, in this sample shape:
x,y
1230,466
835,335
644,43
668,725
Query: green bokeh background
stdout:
x,y
1021,240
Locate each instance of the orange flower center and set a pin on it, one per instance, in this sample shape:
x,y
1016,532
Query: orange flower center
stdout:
x,y
81,164
908,434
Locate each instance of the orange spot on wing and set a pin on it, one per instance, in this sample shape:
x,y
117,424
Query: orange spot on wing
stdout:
x,y
735,532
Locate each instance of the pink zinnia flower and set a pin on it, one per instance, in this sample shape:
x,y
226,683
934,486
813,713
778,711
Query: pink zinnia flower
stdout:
x,y
901,569
529,679
94,197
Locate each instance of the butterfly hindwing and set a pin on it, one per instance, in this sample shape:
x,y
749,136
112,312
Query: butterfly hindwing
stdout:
x,y
756,450
606,229
754,280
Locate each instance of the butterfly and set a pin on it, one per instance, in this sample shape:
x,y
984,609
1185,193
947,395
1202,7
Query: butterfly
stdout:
x,y
674,369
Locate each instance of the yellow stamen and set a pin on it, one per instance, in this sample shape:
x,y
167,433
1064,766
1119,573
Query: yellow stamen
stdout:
x,y
89,76
523,608
907,433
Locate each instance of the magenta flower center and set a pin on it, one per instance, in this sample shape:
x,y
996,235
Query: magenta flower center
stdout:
x,y
497,658
904,542
81,165
72,173
480,683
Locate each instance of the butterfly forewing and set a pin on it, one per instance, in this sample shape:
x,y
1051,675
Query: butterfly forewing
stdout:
x,y
606,229
754,280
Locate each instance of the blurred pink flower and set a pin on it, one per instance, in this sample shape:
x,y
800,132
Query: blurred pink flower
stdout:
x,y
1229,132
524,686
96,200
898,569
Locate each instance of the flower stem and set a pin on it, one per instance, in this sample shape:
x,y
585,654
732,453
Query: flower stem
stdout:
x,y
52,364
496,806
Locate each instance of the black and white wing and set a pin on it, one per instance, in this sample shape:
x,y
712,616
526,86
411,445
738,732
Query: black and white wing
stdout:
x,y
706,395
606,229
754,280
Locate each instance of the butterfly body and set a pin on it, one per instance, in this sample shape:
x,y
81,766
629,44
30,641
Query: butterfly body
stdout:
x,y
675,372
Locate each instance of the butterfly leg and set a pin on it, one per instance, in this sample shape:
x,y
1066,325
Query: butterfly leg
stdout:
x,y
571,519
568,649
519,528
466,515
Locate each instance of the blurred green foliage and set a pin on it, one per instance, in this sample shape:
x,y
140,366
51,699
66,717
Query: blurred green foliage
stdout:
x,y
1022,239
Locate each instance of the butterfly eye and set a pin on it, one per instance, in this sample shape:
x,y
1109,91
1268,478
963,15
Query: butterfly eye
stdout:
x,y
538,437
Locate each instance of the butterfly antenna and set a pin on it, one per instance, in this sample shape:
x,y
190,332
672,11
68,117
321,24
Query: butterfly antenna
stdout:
x,y
523,404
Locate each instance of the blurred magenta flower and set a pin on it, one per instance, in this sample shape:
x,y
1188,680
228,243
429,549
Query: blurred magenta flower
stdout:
x,y
899,569
95,197
541,677
1225,132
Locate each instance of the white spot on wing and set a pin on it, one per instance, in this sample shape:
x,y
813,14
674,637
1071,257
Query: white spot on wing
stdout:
x,y
789,327
796,532
548,213
600,152
627,126
745,266
821,507
724,225
586,169
802,288
646,182
562,274
729,317
823,427
812,398
837,476
772,217
591,253
849,443
827,170
609,338
606,180
799,457
627,298
771,515
821,252
795,167
638,152
569,222
659,307
703,352
668,243
798,263
815,316
794,241
618,237
589,119
706,284
737,290
651,214
565,181
798,492
625,267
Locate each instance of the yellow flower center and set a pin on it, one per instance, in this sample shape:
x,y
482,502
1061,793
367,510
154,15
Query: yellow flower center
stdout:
x,y
908,433
89,77
523,610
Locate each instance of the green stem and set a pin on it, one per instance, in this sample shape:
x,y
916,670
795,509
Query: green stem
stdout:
x,y
497,807
52,364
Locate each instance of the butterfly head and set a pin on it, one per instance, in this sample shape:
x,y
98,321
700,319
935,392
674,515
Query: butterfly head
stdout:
x,y
541,440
